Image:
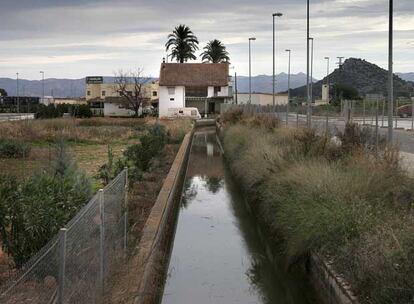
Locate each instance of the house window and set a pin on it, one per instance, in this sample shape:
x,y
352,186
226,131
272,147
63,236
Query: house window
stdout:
x,y
154,93
171,99
103,93
88,93
196,91
217,90
171,90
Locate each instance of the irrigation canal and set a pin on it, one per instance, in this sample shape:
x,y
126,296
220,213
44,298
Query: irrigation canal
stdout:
x,y
220,254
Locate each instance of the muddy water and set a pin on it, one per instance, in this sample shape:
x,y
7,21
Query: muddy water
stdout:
x,y
220,255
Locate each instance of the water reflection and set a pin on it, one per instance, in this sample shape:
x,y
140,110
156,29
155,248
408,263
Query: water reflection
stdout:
x,y
220,255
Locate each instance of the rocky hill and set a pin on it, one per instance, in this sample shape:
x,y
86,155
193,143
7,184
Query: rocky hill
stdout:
x,y
365,77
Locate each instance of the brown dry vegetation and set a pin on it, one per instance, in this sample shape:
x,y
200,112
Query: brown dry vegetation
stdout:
x,y
346,202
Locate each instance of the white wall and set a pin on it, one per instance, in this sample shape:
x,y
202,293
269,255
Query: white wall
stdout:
x,y
113,109
223,92
165,101
262,99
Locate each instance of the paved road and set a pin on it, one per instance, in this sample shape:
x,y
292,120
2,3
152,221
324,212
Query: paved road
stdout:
x,y
15,116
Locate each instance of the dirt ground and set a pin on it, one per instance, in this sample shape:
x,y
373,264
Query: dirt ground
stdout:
x,y
142,197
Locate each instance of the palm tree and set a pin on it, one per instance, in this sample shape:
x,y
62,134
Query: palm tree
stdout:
x,y
183,44
215,52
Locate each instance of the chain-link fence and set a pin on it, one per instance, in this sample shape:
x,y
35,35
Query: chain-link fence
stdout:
x,y
76,265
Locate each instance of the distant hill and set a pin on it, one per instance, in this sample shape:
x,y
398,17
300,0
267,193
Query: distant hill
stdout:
x,y
263,83
406,76
362,75
55,87
76,87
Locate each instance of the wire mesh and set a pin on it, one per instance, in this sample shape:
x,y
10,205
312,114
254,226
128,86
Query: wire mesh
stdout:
x,y
75,269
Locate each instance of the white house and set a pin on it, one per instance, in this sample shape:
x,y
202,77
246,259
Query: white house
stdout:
x,y
201,85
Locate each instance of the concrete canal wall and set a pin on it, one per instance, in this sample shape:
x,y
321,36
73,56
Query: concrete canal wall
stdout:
x,y
158,233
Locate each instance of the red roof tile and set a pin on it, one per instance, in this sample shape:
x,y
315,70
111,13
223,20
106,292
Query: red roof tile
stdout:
x,y
194,74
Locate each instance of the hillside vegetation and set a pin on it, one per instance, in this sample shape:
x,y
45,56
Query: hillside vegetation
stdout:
x,y
346,201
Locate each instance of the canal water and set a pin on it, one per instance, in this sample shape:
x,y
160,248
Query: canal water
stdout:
x,y
220,255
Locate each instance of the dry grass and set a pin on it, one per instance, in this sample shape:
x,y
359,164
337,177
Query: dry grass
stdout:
x,y
348,203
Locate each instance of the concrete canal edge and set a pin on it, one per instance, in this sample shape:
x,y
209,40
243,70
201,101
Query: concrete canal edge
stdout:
x,y
330,287
158,233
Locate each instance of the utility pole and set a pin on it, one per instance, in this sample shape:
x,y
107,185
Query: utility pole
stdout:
x,y
309,117
340,61
311,77
390,74
288,101
274,58
327,76
250,69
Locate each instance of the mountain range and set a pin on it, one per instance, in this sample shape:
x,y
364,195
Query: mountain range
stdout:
x,y
365,77
360,74
76,87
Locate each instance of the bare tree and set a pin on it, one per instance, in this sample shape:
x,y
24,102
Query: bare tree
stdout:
x,y
131,87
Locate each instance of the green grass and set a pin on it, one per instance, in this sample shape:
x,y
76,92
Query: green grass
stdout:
x,y
347,203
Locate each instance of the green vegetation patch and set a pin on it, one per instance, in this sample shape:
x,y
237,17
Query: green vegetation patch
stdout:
x,y
341,198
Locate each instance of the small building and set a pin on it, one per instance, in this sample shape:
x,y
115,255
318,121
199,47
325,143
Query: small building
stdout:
x,y
105,99
263,99
201,85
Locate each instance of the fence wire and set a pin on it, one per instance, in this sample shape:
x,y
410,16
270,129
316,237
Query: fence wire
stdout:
x,y
76,265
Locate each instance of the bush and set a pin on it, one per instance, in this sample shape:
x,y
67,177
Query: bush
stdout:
x,y
355,208
112,168
35,210
14,149
151,145
49,111
81,111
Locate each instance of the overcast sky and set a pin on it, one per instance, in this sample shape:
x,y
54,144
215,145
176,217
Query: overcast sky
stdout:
x,y
76,38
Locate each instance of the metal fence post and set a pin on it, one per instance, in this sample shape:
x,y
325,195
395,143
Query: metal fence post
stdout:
x,y
126,212
412,115
62,264
102,242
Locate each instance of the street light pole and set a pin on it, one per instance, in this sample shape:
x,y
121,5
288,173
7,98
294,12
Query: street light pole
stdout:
x,y
307,69
250,70
274,57
327,71
17,92
43,85
288,101
390,74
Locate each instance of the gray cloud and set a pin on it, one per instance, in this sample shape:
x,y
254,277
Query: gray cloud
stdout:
x,y
73,38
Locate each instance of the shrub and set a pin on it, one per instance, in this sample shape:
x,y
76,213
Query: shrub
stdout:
x,y
41,205
49,111
151,145
14,149
355,208
112,168
81,111
233,115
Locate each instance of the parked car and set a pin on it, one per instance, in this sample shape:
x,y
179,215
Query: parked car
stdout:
x,y
184,112
404,111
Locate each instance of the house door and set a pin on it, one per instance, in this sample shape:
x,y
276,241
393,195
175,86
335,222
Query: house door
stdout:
x,y
211,107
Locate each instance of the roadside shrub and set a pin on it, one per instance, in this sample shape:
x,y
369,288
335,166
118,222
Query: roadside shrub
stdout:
x,y
49,111
14,149
41,205
151,145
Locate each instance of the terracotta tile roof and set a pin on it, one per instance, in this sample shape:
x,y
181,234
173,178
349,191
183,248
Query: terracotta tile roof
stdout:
x,y
194,74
